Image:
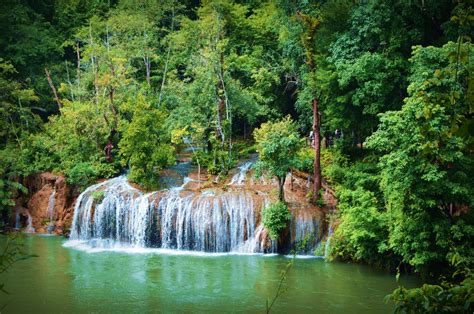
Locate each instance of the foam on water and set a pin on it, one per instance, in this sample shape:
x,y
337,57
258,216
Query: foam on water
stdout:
x,y
97,246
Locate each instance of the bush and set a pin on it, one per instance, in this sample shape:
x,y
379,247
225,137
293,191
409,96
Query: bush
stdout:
x,y
246,151
443,298
144,146
362,234
305,159
275,218
214,160
82,175
277,146
333,163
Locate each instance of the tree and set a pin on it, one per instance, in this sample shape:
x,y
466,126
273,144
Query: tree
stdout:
x,y
277,146
222,76
16,122
144,146
311,24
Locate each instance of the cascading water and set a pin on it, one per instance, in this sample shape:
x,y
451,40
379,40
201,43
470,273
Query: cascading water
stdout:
x,y
17,221
306,233
239,178
113,214
29,227
327,247
51,203
29,221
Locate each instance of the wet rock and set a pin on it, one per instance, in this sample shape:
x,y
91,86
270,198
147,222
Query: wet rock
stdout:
x,y
41,188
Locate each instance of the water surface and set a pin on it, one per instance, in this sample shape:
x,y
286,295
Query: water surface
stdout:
x,y
67,280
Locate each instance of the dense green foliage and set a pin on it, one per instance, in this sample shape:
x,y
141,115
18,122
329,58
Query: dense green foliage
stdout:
x,y
275,218
94,88
426,171
445,297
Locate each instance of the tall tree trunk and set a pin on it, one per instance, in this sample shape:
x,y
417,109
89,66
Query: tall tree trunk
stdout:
x,y
312,23
166,62
228,110
281,191
78,55
69,81
220,130
146,61
317,152
95,67
110,142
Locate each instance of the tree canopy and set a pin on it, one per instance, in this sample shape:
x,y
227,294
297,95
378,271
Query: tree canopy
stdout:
x,y
373,98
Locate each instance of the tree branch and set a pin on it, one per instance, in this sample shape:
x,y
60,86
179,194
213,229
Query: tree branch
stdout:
x,y
53,88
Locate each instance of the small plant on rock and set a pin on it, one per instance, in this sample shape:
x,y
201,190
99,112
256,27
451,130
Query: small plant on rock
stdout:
x,y
98,196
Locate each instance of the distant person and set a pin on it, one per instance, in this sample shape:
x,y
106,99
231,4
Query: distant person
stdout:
x,y
311,139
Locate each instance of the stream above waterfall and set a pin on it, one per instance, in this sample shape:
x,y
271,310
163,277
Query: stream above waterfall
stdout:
x,y
64,280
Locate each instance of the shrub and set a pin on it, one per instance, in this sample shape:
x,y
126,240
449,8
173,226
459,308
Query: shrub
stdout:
x,y
275,218
144,146
305,159
443,298
82,175
362,234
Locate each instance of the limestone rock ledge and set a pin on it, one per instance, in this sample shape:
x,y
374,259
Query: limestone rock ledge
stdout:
x,y
47,207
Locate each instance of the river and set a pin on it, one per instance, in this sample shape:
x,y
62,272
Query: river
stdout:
x,y
68,280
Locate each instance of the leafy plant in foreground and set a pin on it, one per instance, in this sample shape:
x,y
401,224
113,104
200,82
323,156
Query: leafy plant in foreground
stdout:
x,y
446,297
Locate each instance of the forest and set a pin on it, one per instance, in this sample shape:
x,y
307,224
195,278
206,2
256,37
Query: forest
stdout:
x,y
372,99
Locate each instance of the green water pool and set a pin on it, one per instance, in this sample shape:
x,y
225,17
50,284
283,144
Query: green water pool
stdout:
x,y
67,280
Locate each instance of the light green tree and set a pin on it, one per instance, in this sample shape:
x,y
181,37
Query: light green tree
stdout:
x,y
277,146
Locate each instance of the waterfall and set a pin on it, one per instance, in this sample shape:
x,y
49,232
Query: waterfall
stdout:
x,y
306,233
29,227
239,178
51,203
328,242
17,221
113,214
29,221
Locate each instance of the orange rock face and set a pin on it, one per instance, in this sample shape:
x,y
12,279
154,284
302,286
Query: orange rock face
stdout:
x,y
49,202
